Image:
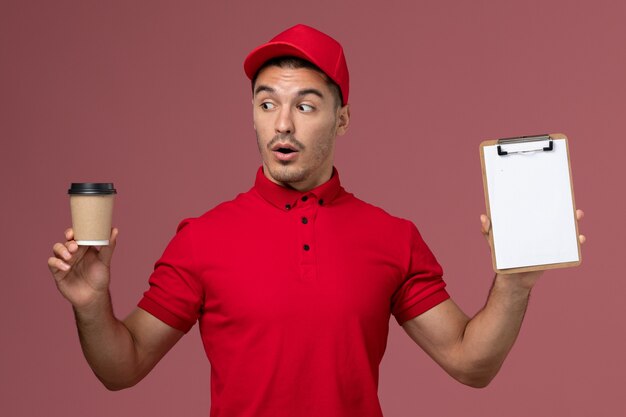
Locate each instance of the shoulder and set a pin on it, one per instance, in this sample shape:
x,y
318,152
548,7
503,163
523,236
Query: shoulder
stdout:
x,y
220,215
362,209
377,221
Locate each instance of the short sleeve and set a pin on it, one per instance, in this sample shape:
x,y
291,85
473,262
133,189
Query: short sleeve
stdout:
x,y
423,286
175,295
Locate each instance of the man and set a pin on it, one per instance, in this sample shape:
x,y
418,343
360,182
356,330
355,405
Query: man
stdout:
x,y
293,282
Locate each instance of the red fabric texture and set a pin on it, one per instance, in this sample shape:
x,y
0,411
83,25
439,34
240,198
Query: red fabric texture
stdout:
x,y
293,293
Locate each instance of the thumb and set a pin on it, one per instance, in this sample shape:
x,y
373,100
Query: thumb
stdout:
x,y
485,225
106,252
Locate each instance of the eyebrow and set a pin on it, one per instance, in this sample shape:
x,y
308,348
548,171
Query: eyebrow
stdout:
x,y
310,91
262,88
301,93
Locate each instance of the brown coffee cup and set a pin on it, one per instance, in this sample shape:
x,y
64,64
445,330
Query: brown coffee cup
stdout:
x,y
92,212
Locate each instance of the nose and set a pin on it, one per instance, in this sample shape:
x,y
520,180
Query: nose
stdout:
x,y
284,121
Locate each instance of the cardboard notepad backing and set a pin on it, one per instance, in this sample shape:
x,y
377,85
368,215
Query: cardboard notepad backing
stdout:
x,y
529,197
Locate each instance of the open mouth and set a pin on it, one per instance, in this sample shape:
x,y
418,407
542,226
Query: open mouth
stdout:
x,y
285,150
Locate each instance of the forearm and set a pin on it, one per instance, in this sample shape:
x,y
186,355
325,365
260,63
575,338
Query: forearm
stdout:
x,y
473,350
107,344
490,335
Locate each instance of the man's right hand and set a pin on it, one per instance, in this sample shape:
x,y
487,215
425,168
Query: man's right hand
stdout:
x,y
82,273
120,353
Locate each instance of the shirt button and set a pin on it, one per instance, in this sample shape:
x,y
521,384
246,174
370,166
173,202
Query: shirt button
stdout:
x,y
287,206
305,220
305,198
321,202
306,247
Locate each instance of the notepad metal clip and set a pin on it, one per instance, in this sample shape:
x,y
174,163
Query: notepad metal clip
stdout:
x,y
525,139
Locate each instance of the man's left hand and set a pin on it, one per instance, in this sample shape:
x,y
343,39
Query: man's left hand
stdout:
x,y
525,279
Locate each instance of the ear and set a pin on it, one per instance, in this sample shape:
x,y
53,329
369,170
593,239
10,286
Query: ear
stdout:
x,y
343,119
253,124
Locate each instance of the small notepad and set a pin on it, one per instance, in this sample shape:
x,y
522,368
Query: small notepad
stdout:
x,y
530,201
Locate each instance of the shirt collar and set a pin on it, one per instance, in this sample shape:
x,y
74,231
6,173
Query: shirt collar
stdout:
x,y
287,198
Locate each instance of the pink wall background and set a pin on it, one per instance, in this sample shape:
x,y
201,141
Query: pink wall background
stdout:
x,y
152,96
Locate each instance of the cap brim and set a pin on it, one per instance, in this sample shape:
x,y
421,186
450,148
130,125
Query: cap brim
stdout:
x,y
264,53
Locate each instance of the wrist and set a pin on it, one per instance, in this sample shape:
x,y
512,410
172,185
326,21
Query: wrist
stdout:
x,y
519,284
95,310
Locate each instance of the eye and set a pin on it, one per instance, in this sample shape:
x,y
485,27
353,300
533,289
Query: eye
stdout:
x,y
306,108
267,106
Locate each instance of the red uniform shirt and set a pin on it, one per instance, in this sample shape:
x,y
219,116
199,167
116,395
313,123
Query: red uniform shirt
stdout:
x,y
293,293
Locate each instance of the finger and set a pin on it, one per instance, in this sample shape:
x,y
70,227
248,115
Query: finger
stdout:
x,y
75,251
72,246
61,251
579,214
68,252
485,224
106,252
582,239
55,265
69,233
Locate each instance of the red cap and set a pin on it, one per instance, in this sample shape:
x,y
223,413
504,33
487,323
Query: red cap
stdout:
x,y
307,43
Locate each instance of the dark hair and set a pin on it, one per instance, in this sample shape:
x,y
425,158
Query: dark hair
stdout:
x,y
295,63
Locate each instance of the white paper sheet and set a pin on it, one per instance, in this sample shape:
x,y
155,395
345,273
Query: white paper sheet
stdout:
x,y
530,198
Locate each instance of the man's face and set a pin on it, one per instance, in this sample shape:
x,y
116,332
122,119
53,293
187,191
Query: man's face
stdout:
x,y
296,122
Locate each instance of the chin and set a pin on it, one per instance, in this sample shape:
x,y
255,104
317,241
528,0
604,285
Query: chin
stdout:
x,y
287,173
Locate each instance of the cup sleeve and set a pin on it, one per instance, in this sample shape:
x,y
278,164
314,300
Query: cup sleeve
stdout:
x,y
422,287
175,295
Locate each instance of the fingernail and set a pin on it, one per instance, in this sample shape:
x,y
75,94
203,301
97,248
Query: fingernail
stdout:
x,y
65,267
66,256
